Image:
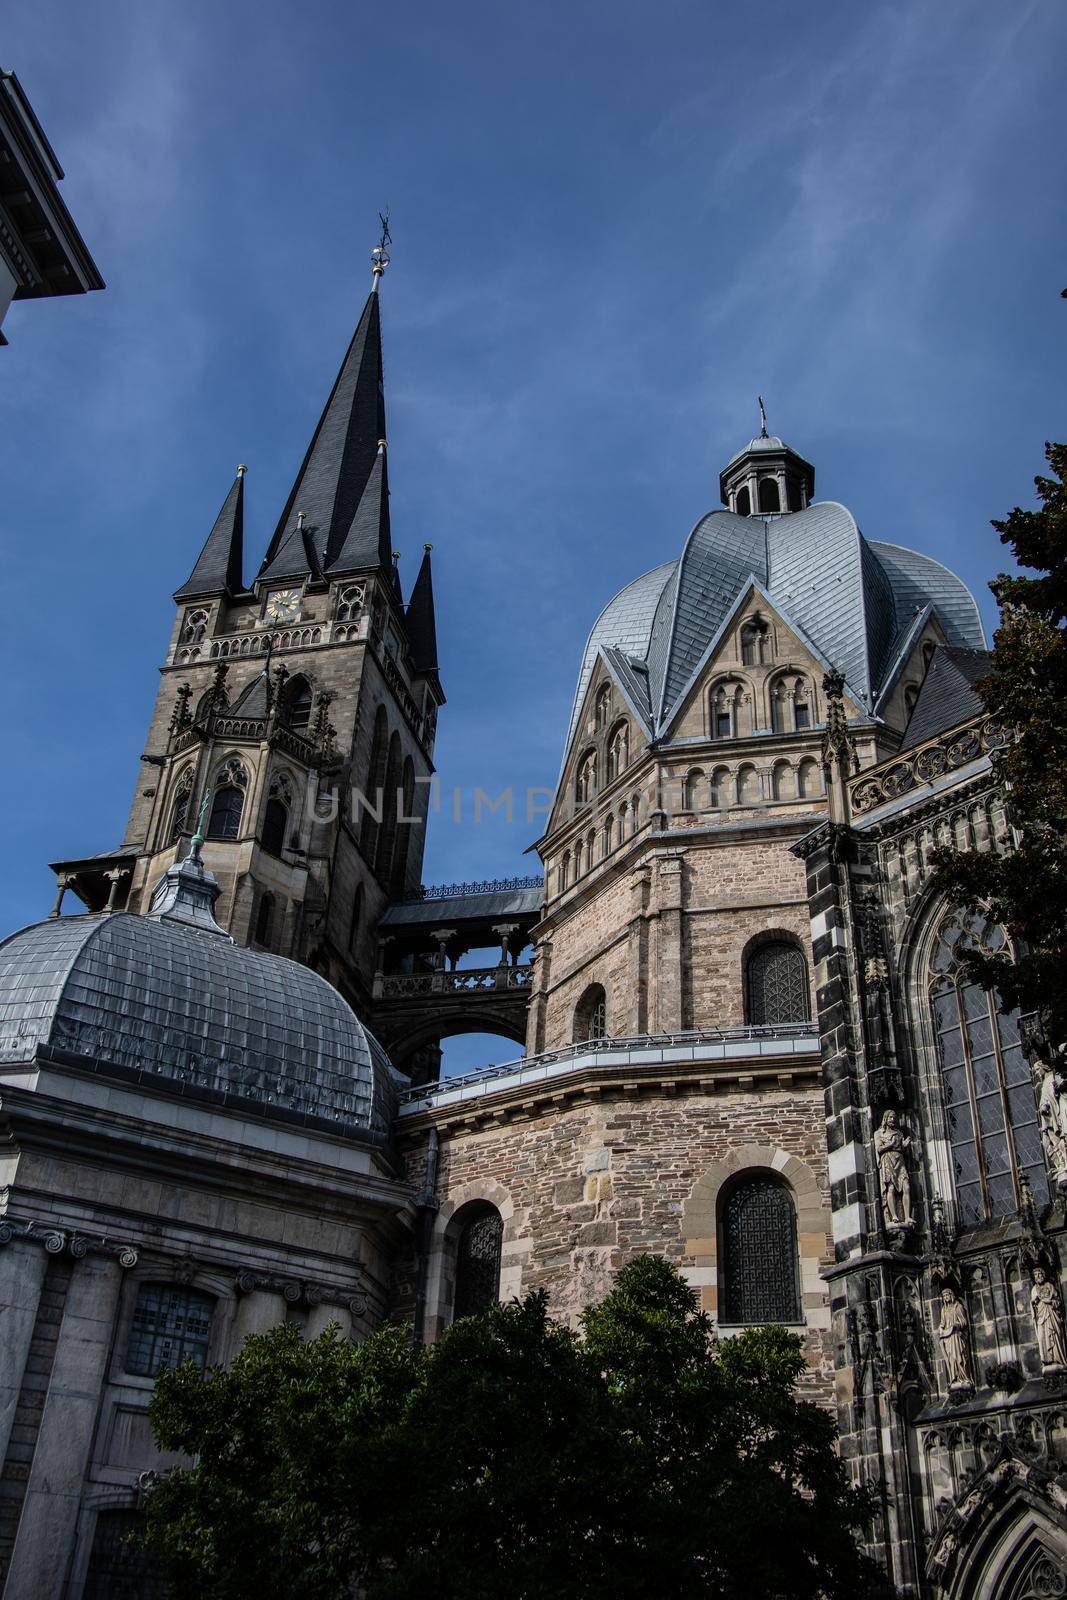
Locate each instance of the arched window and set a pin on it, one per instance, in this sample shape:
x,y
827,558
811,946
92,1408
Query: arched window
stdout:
x,y
171,1325
373,801
603,705
404,827
120,1568
791,704
296,703
989,1098
350,603
180,813
264,919
720,795
809,779
478,1262
618,750
743,503
754,642
748,789
769,499
725,699
760,1278
564,870
195,627
228,802
776,984
355,920
609,835
275,823
585,781
591,1015
383,860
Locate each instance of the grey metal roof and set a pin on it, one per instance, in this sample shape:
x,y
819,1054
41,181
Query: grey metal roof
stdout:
x,y
184,1007
946,697
219,565
850,599
442,911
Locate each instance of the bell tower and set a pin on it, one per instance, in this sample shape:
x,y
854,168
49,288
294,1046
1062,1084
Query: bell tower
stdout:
x,y
296,711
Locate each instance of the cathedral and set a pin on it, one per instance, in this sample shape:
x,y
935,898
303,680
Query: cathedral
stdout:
x,y
742,1035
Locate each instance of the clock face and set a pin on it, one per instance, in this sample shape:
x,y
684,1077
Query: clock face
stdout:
x,y
282,605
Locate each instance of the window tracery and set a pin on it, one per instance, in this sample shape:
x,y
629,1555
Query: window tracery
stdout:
x,y
228,801
985,1079
194,627
776,984
180,812
350,602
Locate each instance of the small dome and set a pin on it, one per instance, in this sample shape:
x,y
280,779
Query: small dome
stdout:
x,y
763,442
161,998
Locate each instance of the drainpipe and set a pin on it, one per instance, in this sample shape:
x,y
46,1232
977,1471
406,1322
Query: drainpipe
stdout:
x,y
427,1209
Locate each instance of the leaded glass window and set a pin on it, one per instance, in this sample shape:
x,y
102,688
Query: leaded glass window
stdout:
x,y
776,984
181,807
988,1092
478,1263
120,1568
171,1324
760,1277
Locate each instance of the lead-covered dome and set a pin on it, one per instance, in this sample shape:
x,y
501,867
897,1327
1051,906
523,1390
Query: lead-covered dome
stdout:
x,y
169,998
855,601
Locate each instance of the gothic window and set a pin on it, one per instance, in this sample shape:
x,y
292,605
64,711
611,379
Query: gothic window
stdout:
x,y
120,1568
760,1280
769,500
264,919
743,503
478,1262
180,813
988,1093
171,1324
350,603
776,984
618,750
356,919
275,823
374,798
809,782
296,703
404,828
228,802
754,642
591,1015
603,706
585,783
383,860
195,627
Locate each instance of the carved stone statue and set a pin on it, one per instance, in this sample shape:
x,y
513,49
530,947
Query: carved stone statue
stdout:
x,y
1047,1308
1051,1089
890,1143
952,1331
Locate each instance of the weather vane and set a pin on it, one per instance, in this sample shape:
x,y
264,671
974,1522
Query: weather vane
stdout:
x,y
762,417
380,255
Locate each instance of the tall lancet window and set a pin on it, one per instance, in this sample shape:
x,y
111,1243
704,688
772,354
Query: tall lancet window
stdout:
x,y
478,1261
988,1094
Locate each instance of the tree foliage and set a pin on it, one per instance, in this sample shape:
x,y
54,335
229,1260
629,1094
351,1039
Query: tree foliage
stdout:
x,y
1026,692
515,1456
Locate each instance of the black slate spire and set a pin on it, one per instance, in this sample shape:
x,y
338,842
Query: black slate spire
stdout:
x,y
367,542
219,566
421,624
339,459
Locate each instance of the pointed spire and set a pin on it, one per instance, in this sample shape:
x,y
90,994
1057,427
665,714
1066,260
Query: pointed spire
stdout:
x,y
368,542
421,623
398,593
339,459
219,566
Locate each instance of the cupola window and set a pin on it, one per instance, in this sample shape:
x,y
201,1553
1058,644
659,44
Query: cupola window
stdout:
x,y
769,501
743,503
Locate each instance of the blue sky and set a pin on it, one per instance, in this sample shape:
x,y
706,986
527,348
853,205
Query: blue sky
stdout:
x,y
613,227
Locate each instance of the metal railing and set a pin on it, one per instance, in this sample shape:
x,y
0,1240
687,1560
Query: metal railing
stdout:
x,y
453,891
627,1042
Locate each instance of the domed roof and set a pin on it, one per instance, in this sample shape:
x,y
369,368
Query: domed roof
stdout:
x,y
170,998
851,600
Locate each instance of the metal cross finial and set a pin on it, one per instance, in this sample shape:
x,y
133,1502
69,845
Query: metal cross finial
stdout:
x,y
762,417
198,836
379,256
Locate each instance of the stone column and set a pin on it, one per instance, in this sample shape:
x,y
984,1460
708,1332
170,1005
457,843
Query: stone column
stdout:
x,y
320,1317
505,932
68,1423
63,883
21,1274
637,960
258,1311
114,878
535,1027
